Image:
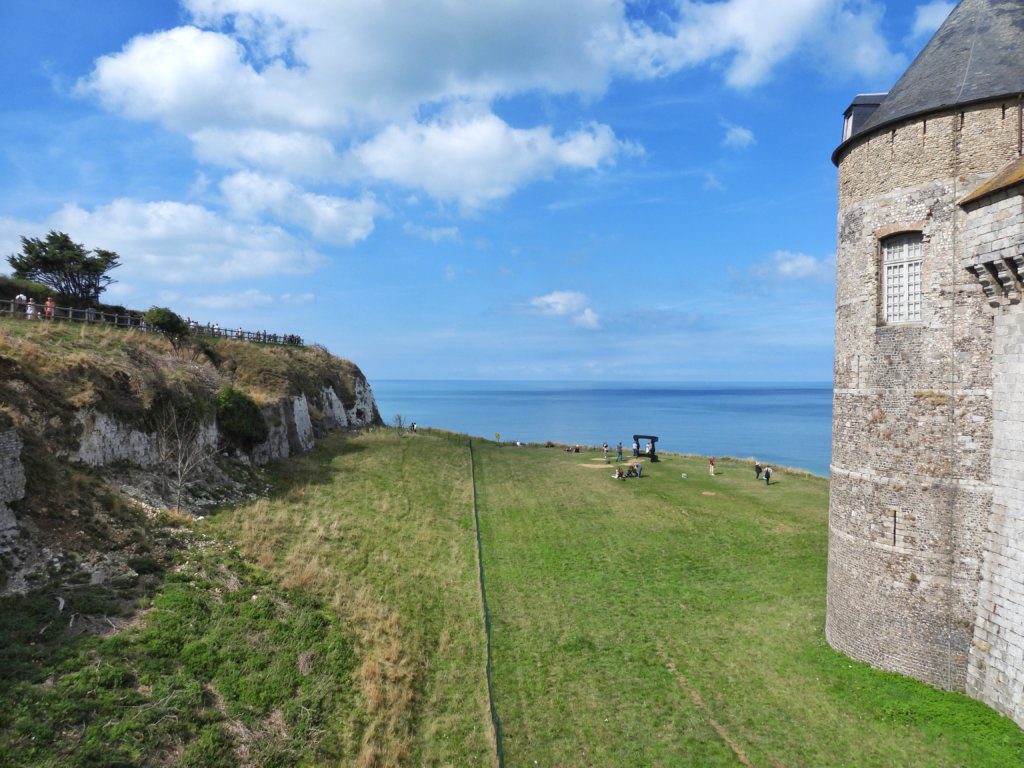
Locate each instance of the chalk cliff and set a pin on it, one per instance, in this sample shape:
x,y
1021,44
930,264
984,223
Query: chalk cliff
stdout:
x,y
84,429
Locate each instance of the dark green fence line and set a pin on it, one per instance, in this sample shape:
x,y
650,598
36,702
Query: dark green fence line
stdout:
x,y
495,720
24,310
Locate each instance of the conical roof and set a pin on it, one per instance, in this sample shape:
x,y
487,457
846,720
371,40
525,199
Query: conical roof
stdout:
x,y
977,54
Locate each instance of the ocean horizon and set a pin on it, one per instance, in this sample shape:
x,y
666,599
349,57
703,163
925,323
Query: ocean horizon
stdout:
x,y
780,423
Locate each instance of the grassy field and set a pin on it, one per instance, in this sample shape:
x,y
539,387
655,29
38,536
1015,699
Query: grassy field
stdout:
x,y
671,621
661,621
382,528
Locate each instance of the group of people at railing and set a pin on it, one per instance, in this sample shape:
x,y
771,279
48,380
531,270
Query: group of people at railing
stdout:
x,y
27,308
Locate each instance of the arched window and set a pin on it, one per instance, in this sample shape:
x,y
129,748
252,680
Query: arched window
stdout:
x,y
901,272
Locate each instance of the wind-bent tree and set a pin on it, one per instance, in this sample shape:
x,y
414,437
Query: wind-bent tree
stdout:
x,y
64,265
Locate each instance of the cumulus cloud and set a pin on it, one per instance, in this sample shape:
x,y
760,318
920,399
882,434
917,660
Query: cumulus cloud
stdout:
x,y
175,242
293,153
433,234
250,299
752,37
789,265
571,304
736,136
479,159
329,219
289,87
929,17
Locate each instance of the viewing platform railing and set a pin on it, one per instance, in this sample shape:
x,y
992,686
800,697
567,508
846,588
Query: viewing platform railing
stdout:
x,y
24,310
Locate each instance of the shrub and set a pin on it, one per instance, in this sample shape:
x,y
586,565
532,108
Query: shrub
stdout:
x,y
166,321
12,286
239,419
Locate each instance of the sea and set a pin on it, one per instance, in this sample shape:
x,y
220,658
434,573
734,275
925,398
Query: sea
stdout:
x,y
780,424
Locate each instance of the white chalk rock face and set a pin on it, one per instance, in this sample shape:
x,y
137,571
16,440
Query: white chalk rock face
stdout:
x,y
276,445
303,425
12,477
334,410
105,440
365,409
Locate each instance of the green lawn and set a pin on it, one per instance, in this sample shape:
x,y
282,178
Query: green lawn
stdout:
x,y
671,621
382,527
665,621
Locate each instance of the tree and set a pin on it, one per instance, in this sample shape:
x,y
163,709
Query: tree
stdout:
x,y
169,323
64,265
182,448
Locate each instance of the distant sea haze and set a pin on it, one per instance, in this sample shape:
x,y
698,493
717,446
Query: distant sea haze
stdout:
x,y
780,424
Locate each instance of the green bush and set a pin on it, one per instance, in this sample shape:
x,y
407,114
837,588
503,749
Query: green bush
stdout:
x,y
239,419
12,286
167,321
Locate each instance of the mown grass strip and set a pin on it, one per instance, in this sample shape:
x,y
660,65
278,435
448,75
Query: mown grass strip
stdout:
x,y
499,745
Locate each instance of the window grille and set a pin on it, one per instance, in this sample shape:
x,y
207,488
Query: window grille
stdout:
x,y
901,259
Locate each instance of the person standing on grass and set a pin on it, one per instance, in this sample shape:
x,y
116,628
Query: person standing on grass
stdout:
x,y
618,451
767,475
711,466
636,448
48,308
757,469
30,310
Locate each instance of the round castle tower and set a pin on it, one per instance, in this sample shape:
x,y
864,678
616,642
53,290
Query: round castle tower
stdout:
x,y
928,455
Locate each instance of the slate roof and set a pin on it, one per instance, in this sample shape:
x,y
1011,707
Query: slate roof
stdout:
x,y
977,54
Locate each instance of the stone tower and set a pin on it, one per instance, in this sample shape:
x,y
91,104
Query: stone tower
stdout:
x,y
926,518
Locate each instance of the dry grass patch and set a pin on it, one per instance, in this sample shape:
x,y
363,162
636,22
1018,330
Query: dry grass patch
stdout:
x,y
381,525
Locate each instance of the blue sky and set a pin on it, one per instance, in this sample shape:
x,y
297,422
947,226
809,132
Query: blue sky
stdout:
x,y
508,189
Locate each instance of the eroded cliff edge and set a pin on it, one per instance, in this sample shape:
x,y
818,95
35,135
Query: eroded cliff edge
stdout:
x,y
95,424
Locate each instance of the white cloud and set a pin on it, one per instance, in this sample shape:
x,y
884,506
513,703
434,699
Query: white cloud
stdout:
x,y
789,265
335,63
736,136
249,299
329,219
175,242
433,234
712,183
571,304
929,17
755,36
288,87
475,160
295,153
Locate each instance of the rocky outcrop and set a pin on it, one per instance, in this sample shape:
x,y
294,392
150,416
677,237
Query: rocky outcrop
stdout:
x,y
12,481
294,423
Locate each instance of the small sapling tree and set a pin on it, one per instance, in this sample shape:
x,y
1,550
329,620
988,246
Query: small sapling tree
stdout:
x,y
399,422
68,267
181,449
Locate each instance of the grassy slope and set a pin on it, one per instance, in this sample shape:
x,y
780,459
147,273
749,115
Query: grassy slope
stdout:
x,y
382,526
599,589
646,622
223,669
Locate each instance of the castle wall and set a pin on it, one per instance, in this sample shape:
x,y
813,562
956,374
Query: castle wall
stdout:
x,y
996,665
911,484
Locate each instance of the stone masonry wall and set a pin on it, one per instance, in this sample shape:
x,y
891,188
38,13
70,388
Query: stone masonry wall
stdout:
x,y
996,666
912,438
